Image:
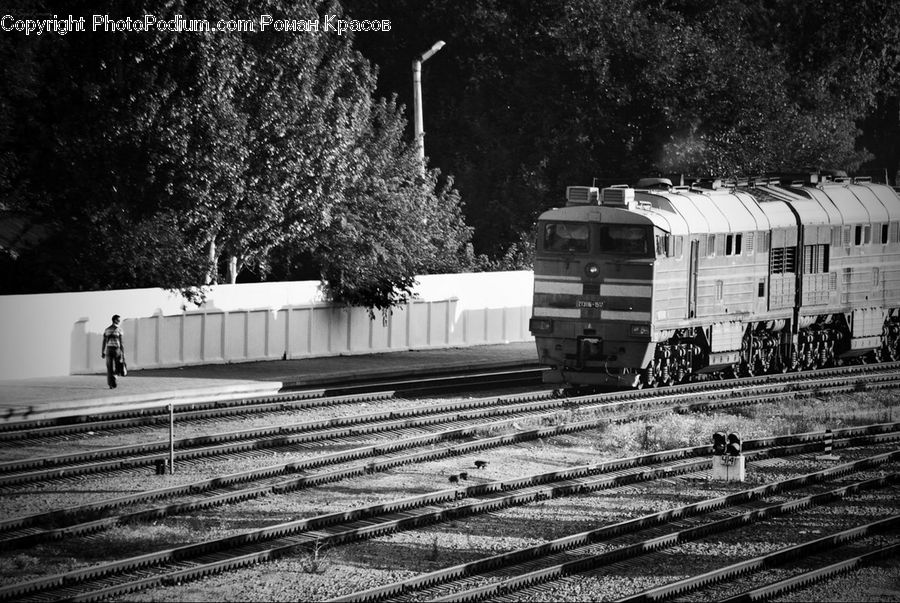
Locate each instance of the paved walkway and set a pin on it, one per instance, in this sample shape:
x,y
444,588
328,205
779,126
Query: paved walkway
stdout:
x,y
29,399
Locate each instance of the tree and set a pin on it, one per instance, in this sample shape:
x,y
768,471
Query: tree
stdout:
x,y
530,97
209,149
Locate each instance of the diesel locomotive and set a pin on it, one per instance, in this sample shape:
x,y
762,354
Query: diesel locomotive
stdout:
x,y
658,284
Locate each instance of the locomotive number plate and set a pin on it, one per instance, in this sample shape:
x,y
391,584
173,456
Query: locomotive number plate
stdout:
x,y
588,303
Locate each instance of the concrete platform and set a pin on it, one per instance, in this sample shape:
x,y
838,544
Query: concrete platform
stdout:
x,y
31,399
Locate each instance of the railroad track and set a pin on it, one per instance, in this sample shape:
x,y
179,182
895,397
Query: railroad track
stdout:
x,y
86,519
621,549
394,448
468,412
289,399
15,433
125,576
805,565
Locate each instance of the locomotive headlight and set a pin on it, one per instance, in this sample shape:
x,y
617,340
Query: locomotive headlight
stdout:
x,y
640,330
540,325
592,270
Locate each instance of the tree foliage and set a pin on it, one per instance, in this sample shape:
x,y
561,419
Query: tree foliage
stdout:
x,y
210,151
530,97
156,159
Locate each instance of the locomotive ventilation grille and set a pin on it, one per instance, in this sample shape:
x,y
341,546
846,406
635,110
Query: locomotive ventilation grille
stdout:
x,y
618,196
582,195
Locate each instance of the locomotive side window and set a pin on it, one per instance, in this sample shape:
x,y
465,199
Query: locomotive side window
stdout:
x,y
894,232
884,234
662,245
733,244
625,239
559,236
711,245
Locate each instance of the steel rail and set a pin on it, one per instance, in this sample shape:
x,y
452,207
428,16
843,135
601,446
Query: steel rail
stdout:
x,y
568,543
308,397
54,466
814,576
592,561
290,396
211,488
12,472
223,554
290,402
779,557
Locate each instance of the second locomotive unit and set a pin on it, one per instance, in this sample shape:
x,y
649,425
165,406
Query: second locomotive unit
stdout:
x,y
658,284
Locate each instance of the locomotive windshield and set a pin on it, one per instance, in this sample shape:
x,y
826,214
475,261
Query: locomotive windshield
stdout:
x,y
625,239
561,236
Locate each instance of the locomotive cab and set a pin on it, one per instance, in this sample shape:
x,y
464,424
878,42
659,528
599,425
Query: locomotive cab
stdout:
x,y
593,289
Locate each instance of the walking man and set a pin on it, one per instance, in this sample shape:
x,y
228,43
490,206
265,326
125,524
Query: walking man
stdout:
x,y
112,349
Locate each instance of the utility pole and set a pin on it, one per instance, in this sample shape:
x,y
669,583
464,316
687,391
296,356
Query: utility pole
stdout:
x,y
417,98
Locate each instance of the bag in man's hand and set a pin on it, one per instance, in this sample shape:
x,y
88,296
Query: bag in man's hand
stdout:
x,y
121,367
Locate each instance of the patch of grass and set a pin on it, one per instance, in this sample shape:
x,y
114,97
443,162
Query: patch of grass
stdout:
x,y
315,561
433,556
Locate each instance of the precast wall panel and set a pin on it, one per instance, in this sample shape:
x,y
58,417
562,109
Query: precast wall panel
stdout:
x,y
320,333
145,333
170,340
213,337
338,330
256,336
240,323
417,325
235,336
397,322
379,333
192,339
277,333
475,322
300,334
495,325
359,330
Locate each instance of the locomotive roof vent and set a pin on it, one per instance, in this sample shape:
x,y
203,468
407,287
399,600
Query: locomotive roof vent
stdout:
x,y
654,184
619,196
582,195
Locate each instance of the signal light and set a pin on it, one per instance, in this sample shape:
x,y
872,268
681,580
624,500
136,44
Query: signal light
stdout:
x,y
733,448
719,443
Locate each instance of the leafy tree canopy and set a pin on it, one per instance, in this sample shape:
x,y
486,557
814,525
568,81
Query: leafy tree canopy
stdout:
x,y
160,158
530,97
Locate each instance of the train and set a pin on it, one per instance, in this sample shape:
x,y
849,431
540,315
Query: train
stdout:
x,y
656,284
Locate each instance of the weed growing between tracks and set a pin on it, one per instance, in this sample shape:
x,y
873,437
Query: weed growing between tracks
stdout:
x,y
683,430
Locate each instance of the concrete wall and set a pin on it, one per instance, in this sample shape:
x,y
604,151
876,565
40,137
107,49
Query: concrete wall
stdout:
x,y
60,334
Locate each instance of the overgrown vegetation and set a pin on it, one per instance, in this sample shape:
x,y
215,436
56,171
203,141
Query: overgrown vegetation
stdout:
x,y
674,430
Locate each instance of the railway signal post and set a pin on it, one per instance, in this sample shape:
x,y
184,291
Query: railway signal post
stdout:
x,y
727,460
